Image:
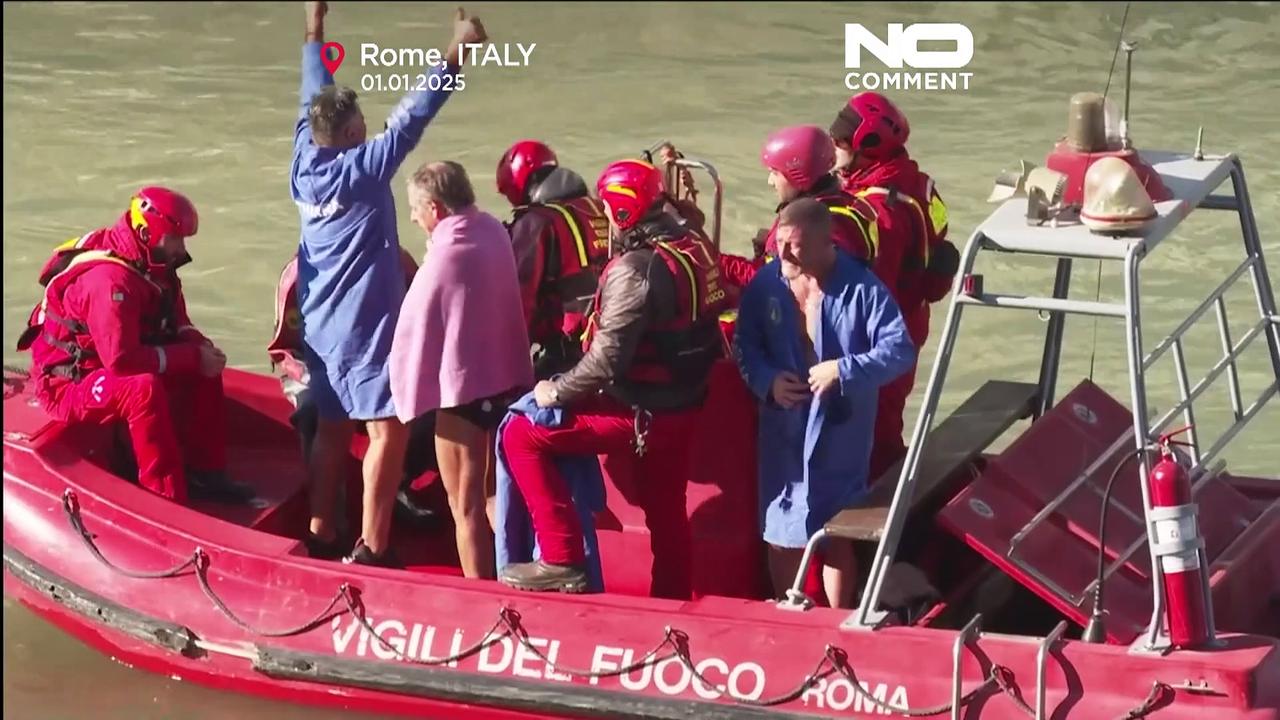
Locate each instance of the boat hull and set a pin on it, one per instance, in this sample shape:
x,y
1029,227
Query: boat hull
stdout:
x,y
236,613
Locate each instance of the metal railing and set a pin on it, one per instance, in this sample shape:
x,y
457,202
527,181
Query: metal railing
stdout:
x,y
674,180
1196,192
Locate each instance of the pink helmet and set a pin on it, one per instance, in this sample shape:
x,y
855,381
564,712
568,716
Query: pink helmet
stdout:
x,y
630,188
801,153
517,164
162,212
873,126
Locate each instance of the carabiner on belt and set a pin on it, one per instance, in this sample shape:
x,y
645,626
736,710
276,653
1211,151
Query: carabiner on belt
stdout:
x,y
643,420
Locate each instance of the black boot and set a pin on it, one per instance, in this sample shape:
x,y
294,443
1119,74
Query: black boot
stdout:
x,y
215,486
362,555
319,549
409,511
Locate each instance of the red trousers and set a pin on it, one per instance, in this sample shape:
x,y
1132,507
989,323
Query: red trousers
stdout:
x,y
174,422
888,447
601,426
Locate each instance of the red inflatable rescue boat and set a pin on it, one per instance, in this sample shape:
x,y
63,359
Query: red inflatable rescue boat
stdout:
x,y
980,567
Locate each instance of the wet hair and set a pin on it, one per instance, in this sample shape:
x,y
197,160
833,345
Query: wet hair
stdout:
x,y
808,215
331,109
446,183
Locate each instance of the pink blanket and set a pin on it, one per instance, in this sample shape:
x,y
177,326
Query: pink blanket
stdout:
x,y
461,334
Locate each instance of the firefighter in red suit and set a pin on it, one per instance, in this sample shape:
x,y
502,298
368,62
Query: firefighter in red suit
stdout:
x,y
561,239
800,160
112,341
653,336
915,259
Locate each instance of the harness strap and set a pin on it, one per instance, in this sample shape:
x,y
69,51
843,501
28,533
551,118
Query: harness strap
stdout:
x,y
869,231
579,241
920,214
71,367
86,257
689,272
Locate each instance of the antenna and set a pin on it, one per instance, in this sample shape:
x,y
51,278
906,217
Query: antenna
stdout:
x,y
1128,47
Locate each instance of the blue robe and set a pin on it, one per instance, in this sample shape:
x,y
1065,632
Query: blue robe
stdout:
x,y
350,277
513,537
813,458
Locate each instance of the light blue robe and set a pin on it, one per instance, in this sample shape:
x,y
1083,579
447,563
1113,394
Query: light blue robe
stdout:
x,y
350,276
813,458
514,540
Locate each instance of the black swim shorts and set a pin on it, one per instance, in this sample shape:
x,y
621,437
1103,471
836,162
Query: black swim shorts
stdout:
x,y
486,413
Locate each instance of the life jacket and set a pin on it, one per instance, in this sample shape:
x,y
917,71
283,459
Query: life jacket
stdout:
x,y
572,263
285,348
853,221
65,346
682,349
927,215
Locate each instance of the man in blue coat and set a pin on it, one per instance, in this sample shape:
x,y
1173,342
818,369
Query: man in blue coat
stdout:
x,y
817,336
350,279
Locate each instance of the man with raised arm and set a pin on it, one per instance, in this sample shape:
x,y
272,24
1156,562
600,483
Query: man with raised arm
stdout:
x,y
350,279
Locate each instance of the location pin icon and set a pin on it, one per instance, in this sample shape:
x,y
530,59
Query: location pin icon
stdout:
x,y
331,64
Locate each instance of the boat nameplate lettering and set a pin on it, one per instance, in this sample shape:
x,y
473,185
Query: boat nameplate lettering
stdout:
x,y
746,680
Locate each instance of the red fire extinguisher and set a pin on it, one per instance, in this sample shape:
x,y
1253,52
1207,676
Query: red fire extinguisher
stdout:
x,y
1178,540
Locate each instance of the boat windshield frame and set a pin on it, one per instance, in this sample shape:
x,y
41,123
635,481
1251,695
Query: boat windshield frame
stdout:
x,y
1192,180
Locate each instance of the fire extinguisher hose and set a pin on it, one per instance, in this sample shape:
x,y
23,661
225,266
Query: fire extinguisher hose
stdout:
x,y
1094,631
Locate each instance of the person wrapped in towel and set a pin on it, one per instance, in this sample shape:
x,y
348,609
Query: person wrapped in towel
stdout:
x,y
460,347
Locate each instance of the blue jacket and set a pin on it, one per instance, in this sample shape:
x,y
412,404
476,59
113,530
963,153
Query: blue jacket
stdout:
x,y
813,458
350,278
514,534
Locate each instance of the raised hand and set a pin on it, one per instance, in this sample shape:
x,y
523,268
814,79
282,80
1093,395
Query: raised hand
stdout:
x,y
468,30
668,154
315,11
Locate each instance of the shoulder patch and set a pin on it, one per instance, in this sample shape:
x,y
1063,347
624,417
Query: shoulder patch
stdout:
x,y
118,296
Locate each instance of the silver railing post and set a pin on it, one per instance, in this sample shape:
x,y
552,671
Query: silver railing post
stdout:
x,y
1138,396
868,615
718,206
1053,339
970,630
1184,388
1233,378
1042,659
1253,248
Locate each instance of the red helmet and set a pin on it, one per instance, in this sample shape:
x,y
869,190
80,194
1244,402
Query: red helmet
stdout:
x,y
801,153
630,188
518,163
873,126
162,211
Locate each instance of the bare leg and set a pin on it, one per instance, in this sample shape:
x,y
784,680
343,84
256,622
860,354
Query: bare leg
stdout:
x,y
462,452
328,462
383,467
783,565
491,483
839,572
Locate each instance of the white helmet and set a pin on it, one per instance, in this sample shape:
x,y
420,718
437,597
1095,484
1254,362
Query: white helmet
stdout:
x,y
1115,202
